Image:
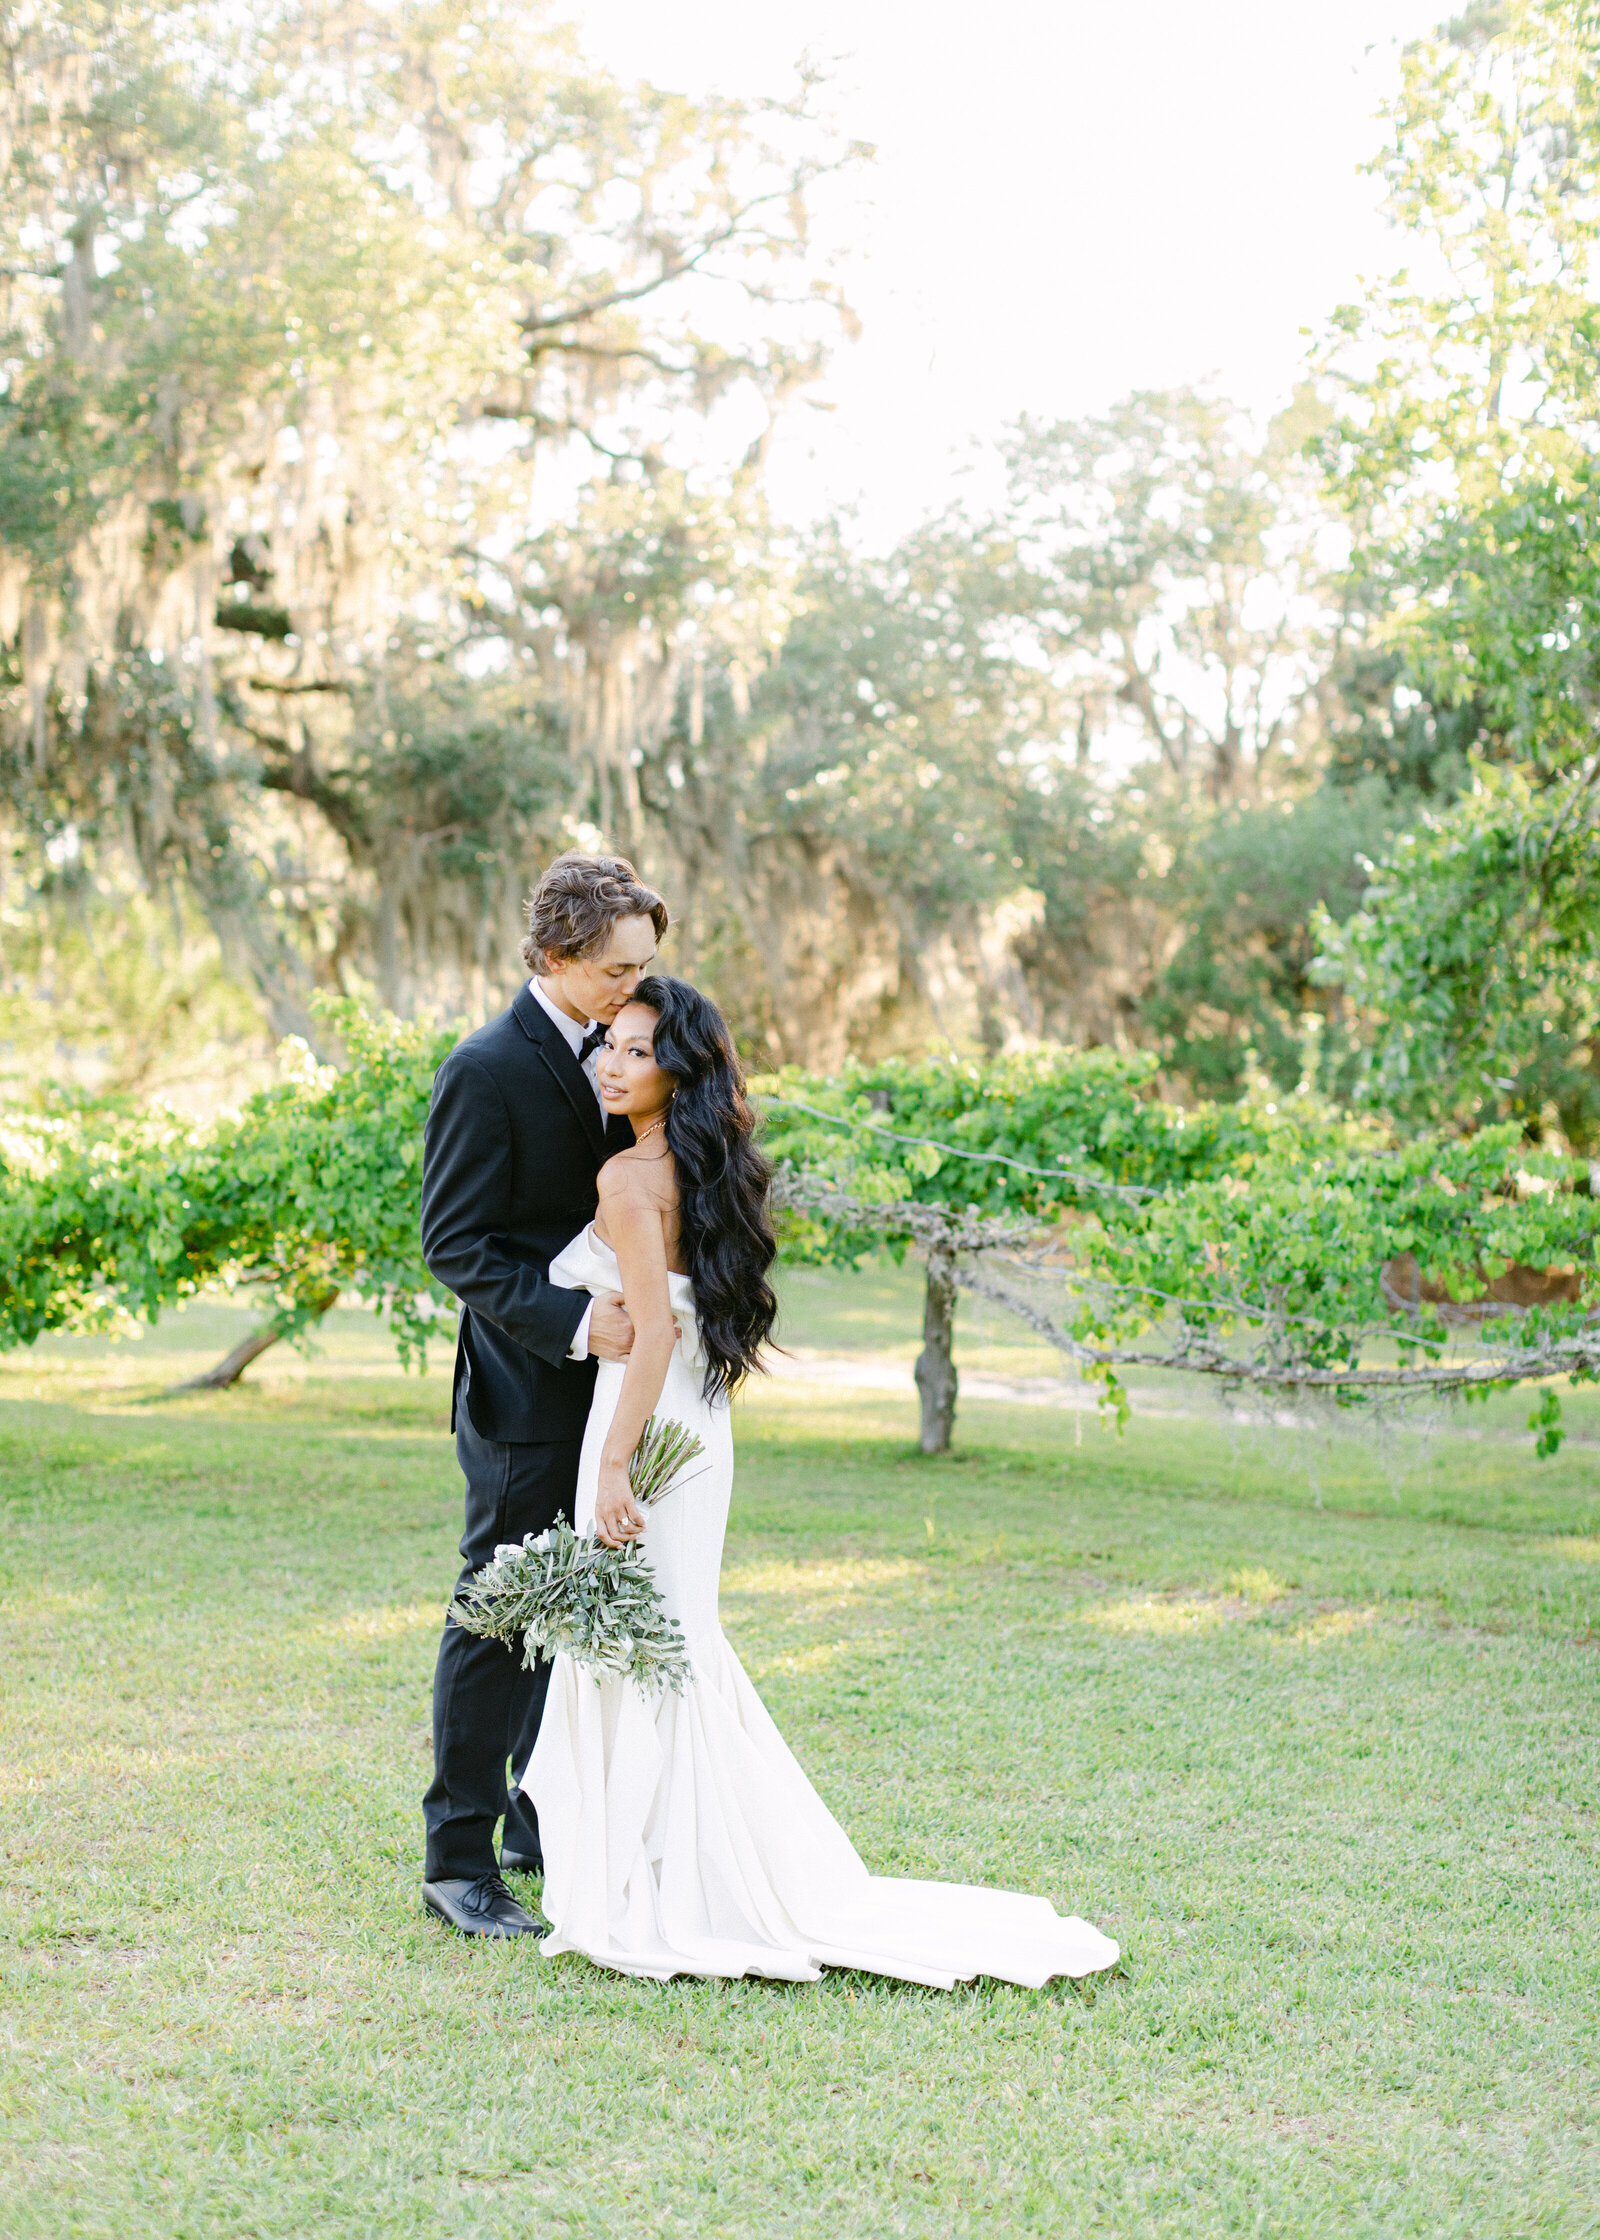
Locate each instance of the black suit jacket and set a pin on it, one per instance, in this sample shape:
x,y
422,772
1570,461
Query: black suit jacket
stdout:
x,y
514,1140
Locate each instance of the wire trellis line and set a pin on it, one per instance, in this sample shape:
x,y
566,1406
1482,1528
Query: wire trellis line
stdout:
x,y
966,1240
1131,1192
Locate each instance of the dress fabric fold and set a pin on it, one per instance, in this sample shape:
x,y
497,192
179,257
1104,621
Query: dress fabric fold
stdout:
x,y
681,1835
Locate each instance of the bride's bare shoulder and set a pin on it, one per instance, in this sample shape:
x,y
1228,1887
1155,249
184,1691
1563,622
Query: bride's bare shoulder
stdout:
x,y
637,1178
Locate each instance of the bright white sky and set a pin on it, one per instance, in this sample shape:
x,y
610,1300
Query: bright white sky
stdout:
x,y
1072,198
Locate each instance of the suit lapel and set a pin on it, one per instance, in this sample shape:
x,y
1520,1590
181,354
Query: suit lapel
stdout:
x,y
573,1082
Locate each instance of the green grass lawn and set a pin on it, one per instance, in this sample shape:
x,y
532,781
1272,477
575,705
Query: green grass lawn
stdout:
x,y
1319,1746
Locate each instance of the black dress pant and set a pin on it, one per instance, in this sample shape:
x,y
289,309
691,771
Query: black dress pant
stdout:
x,y
486,1706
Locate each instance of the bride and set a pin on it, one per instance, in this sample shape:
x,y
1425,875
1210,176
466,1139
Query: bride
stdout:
x,y
680,1835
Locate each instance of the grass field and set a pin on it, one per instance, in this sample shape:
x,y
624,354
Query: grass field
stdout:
x,y
1320,1749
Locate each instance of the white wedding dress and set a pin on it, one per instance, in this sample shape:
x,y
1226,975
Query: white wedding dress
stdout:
x,y
680,1835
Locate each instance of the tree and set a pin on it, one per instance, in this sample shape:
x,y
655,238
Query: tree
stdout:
x,y
856,803
1473,369
1179,578
1469,391
1475,959
1184,589
316,319
1466,451
1239,991
917,822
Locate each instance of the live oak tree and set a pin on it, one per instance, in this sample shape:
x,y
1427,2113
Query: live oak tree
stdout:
x,y
863,807
1184,591
318,316
384,402
1177,576
910,810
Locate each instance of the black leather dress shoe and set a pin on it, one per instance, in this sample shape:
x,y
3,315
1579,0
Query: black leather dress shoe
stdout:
x,y
520,1862
484,1908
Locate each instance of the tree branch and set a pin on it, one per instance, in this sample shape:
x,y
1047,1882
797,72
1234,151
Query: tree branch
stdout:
x,y
672,268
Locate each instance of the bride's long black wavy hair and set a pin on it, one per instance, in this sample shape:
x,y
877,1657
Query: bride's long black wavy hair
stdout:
x,y
722,1180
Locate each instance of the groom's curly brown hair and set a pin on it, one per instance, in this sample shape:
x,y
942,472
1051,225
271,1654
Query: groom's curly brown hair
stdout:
x,y
575,905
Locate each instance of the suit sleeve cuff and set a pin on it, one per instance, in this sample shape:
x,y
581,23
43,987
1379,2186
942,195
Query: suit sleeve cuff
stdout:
x,y
580,1337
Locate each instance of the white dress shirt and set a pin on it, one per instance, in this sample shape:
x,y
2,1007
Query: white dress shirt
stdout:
x,y
573,1031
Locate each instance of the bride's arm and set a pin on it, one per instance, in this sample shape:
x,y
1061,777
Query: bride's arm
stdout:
x,y
632,1223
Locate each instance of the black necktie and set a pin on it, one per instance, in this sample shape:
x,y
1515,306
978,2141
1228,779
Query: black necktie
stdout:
x,y
590,1043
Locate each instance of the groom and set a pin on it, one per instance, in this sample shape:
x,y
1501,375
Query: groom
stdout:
x,y
515,1137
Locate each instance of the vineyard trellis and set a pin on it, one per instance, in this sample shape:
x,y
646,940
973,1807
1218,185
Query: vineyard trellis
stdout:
x,y
1257,1247
967,1252
1251,1245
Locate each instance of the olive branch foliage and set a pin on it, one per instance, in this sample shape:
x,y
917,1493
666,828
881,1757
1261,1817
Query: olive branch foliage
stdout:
x,y
565,1593
1245,1242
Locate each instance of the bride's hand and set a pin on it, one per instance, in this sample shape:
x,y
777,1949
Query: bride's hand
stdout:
x,y
617,1516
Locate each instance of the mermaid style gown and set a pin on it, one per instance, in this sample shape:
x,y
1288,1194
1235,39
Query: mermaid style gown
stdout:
x,y
680,1835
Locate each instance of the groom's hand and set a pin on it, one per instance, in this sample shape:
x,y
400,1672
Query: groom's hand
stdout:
x,y
610,1331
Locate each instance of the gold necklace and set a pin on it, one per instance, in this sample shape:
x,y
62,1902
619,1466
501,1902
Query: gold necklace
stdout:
x,y
650,1131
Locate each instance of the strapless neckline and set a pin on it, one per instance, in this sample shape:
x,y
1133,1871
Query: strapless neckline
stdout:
x,y
589,1264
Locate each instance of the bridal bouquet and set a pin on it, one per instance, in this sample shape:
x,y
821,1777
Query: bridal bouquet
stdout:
x,y
568,1593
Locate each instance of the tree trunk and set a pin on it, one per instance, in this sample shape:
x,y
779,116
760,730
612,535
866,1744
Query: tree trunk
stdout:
x,y
936,1371
233,1365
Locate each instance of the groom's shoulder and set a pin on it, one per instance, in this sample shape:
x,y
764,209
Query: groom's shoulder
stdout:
x,y
498,1042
